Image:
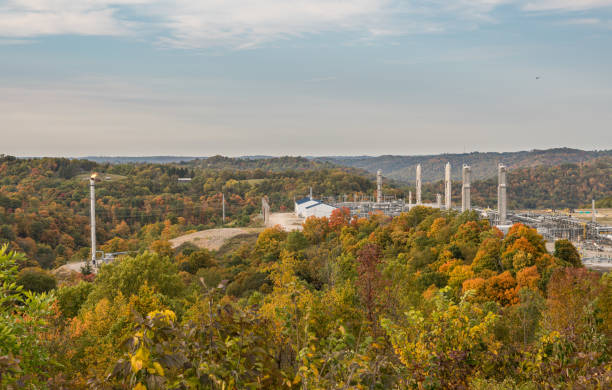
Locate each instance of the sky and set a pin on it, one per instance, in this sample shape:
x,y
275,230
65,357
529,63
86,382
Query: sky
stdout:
x,y
303,77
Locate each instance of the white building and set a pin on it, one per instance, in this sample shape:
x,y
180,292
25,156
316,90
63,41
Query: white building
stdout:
x,y
300,205
307,207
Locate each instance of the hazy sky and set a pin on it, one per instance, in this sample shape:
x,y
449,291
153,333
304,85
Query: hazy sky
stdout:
x,y
303,77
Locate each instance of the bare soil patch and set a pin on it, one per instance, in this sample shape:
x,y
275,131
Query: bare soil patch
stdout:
x,y
212,239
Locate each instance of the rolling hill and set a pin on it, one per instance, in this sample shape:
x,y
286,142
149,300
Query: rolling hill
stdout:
x,y
484,165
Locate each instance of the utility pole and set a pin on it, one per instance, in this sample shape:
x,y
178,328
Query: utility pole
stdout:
x,y
92,214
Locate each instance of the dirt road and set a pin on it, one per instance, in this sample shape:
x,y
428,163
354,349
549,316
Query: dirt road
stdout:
x,y
288,221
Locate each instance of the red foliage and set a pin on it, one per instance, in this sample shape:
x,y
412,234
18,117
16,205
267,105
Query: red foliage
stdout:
x,y
370,281
339,218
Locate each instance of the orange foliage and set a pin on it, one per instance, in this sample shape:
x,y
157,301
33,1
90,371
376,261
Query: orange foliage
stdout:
x,y
438,229
339,218
476,284
449,265
528,277
470,231
502,289
315,229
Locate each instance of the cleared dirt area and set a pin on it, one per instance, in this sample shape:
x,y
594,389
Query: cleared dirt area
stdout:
x,y
604,216
288,221
212,239
71,267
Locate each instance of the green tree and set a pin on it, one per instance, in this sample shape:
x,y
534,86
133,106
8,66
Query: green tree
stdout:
x,y
71,298
567,252
36,280
128,274
24,321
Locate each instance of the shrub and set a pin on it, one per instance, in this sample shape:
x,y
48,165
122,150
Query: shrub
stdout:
x,y
71,298
36,280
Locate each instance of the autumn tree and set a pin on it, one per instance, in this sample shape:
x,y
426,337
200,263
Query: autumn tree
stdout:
x,y
370,281
567,252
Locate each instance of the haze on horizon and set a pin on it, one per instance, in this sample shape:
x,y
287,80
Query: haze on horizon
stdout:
x,y
318,77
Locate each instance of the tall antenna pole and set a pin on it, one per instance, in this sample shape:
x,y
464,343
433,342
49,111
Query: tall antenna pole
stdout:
x,y
92,214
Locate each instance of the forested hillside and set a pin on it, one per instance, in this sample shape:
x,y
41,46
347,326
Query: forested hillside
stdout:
x,y
270,164
603,203
484,165
427,300
558,187
563,186
44,203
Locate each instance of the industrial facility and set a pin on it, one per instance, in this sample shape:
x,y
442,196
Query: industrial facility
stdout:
x,y
590,235
362,206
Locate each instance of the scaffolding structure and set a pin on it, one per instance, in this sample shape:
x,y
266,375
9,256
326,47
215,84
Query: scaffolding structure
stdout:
x,y
554,227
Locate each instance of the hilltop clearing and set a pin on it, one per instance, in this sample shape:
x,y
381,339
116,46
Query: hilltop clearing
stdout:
x,y
212,239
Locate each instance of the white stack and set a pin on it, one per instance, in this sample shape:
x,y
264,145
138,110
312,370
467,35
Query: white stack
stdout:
x,y
465,188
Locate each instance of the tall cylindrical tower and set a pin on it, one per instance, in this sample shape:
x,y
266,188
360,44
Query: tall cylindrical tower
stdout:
x,y
92,214
418,184
465,189
447,186
501,193
379,195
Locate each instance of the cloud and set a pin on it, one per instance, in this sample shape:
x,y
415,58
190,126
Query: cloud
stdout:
x,y
249,23
240,24
30,18
566,5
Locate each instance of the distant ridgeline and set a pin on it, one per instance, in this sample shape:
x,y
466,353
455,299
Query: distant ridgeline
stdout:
x,y
221,162
543,186
139,160
484,165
